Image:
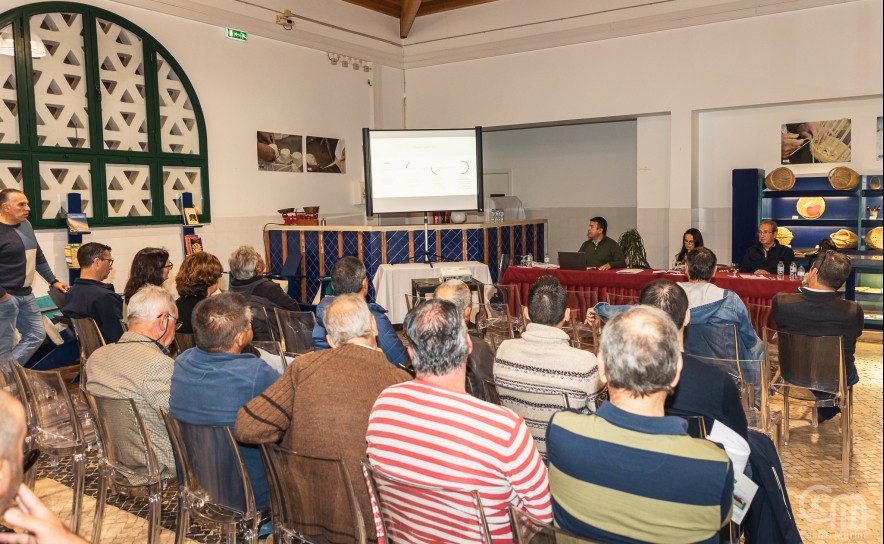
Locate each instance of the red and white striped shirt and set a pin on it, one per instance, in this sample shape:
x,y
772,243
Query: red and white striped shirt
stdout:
x,y
433,436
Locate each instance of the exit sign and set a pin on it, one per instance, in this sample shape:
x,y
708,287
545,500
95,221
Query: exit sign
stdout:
x,y
237,35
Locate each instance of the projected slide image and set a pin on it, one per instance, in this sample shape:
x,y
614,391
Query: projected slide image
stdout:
x,y
436,167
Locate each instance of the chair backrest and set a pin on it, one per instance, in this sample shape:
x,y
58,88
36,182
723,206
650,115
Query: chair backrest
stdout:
x,y
211,474
536,405
529,530
127,449
409,511
761,317
296,330
184,341
491,393
621,300
506,260
273,348
88,336
264,328
696,426
712,340
58,296
580,303
813,362
502,308
411,301
57,423
312,496
11,382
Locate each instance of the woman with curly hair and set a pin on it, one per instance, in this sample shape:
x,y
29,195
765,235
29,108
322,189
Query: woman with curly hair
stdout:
x,y
196,280
691,240
151,265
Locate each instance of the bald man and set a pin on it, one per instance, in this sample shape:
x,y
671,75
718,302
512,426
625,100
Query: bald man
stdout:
x,y
39,524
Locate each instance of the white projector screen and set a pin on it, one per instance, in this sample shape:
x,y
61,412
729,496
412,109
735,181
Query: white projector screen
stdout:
x,y
423,170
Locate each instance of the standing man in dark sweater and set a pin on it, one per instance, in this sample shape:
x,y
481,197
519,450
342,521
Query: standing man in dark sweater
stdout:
x,y
763,257
818,310
89,297
601,252
20,257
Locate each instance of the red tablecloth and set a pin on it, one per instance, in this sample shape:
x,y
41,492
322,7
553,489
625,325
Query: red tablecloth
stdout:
x,y
755,293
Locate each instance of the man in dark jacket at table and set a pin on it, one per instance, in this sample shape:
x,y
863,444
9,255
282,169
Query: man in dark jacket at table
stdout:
x,y
601,252
262,294
90,297
764,256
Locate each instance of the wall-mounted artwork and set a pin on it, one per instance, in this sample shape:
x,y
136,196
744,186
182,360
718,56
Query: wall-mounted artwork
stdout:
x,y
815,142
327,155
279,152
878,139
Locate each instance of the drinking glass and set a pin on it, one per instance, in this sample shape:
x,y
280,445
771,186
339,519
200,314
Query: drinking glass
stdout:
x,y
734,269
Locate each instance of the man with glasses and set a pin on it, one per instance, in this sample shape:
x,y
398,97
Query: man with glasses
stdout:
x,y
763,257
90,297
138,366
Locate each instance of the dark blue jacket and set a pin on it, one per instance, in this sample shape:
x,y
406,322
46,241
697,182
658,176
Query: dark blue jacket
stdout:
x,y
91,298
209,388
388,340
770,519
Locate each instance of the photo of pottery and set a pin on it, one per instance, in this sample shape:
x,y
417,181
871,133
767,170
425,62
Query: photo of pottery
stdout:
x,y
815,142
327,155
279,152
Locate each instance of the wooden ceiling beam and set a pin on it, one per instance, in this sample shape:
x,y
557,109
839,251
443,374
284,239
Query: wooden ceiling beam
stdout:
x,y
387,7
407,15
428,7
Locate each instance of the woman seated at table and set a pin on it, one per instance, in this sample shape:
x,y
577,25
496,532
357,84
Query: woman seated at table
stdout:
x,y
691,240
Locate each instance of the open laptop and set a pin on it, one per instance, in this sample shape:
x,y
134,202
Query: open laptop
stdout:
x,y
572,260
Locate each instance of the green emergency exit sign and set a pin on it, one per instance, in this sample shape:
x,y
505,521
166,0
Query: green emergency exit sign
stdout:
x,y
237,35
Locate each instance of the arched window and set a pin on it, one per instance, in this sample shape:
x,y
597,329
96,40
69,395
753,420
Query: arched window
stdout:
x,y
91,103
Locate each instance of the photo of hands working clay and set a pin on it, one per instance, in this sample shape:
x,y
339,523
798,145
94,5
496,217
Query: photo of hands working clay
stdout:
x,y
279,152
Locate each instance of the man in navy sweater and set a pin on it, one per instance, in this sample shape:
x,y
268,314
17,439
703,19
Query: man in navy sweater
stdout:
x,y
20,257
89,297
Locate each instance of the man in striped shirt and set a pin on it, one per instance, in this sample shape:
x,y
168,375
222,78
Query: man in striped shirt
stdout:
x,y
629,474
431,432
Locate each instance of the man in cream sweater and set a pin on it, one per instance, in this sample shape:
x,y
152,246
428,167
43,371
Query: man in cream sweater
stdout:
x,y
542,361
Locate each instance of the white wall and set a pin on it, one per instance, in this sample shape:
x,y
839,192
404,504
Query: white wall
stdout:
x,y
568,174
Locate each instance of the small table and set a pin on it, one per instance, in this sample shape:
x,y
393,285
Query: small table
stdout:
x,y
422,287
391,282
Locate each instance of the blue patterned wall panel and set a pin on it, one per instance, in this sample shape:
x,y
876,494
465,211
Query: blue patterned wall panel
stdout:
x,y
275,256
330,248
475,245
397,247
529,242
371,254
517,241
505,240
541,246
351,244
452,245
493,254
311,260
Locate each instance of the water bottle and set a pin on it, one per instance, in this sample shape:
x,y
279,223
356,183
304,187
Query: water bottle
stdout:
x,y
546,257
781,269
793,271
530,260
800,273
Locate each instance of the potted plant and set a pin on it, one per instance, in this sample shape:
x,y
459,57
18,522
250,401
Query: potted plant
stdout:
x,y
634,249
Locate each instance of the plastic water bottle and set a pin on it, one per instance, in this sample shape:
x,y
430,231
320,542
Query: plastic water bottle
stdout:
x,y
800,273
546,257
530,260
793,271
781,269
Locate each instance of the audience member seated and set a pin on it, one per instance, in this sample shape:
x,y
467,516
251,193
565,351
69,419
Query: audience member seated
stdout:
x,y
542,360
452,439
817,309
40,526
151,266
763,257
480,364
691,240
197,279
348,276
138,366
628,473
702,390
247,271
321,404
212,381
89,297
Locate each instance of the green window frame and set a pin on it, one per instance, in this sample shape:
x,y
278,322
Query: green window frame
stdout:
x,y
31,155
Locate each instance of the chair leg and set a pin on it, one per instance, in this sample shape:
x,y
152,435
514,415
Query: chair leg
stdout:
x,y
99,504
815,417
79,474
846,431
183,518
30,477
154,511
785,415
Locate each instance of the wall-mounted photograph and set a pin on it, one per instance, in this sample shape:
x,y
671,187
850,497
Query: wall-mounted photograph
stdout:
x,y
327,155
878,139
815,142
279,152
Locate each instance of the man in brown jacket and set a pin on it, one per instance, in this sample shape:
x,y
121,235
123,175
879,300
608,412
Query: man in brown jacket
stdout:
x,y
320,405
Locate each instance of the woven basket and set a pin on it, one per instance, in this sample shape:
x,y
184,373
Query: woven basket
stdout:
x,y
811,207
832,148
843,178
784,236
844,239
874,238
780,179
875,182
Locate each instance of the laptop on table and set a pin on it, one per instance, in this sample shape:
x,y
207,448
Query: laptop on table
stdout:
x,y
572,260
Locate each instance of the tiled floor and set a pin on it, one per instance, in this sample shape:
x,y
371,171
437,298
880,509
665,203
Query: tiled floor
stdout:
x,y
827,511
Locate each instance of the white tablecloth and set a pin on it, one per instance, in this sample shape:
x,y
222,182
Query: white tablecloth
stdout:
x,y
392,282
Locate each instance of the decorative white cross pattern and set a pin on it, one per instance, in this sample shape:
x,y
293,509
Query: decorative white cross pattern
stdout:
x,y
179,179
8,96
60,81
177,119
128,191
10,175
57,179
121,70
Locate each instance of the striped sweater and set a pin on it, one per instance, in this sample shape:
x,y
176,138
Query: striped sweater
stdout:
x,y
433,436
